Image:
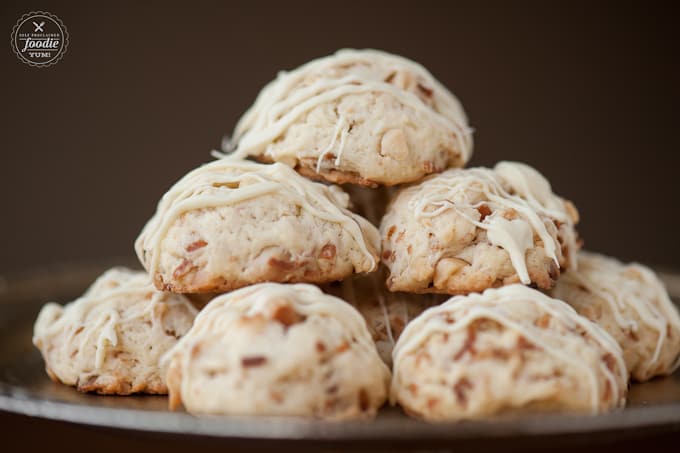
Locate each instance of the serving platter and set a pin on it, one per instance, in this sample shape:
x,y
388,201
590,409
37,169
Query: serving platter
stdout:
x,y
653,407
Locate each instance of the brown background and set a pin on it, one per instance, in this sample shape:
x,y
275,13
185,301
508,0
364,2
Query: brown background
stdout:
x,y
587,93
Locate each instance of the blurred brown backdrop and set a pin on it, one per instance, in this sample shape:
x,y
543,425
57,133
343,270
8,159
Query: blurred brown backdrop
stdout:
x,y
585,92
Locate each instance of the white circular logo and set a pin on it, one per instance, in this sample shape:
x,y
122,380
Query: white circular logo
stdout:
x,y
39,39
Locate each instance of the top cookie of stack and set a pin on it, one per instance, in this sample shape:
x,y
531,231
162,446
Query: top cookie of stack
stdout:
x,y
358,116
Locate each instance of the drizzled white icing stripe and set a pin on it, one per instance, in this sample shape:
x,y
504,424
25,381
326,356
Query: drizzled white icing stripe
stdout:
x,y
54,318
342,130
227,182
532,199
283,101
496,305
643,292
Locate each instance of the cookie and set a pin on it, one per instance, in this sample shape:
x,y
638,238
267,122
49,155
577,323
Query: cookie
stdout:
x,y
630,302
359,116
277,349
110,340
512,349
233,223
386,313
468,230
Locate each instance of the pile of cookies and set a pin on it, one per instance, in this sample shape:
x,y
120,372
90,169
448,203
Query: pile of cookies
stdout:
x,y
270,290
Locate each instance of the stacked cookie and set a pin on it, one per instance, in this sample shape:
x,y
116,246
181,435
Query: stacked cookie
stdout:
x,y
309,305
111,339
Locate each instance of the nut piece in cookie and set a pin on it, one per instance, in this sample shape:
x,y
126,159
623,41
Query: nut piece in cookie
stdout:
x,y
468,230
359,116
512,349
278,349
110,340
632,304
232,223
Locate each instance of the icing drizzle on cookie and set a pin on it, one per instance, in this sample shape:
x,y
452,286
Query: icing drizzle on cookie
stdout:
x,y
626,287
567,333
348,72
97,310
521,203
226,182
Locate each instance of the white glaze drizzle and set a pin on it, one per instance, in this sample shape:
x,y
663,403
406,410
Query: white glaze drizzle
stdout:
x,y
533,200
283,101
496,305
342,130
606,278
54,318
532,186
219,183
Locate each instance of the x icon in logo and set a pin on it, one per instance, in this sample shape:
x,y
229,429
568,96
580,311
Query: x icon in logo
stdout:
x,y
39,27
